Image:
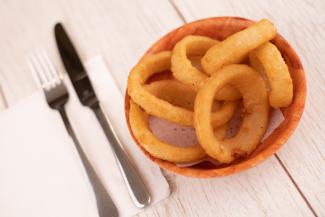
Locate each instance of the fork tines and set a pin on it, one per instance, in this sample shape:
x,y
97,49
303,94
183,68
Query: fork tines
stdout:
x,y
43,69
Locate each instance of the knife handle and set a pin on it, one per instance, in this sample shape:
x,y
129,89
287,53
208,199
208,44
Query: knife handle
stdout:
x,y
133,181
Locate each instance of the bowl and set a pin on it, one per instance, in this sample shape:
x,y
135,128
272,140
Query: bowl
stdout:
x,y
220,28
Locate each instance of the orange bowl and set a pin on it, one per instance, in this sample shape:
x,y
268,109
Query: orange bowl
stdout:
x,y
220,28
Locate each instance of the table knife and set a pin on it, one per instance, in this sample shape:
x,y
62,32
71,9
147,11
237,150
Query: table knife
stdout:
x,y
87,96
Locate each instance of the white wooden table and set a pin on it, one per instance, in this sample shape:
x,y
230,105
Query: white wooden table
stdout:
x,y
291,183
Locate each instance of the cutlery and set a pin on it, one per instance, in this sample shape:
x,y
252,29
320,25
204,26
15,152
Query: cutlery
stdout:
x,y
87,97
57,96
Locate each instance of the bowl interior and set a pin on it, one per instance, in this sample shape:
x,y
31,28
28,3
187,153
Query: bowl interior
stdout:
x,y
220,28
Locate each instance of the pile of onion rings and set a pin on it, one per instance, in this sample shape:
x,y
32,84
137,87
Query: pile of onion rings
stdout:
x,y
210,81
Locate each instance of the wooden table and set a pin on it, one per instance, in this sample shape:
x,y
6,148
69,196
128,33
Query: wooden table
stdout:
x,y
291,183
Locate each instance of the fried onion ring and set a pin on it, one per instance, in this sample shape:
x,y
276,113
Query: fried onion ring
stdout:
x,y
157,148
174,92
182,67
224,114
184,71
237,46
256,116
183,95
147,67
267,59
141,130
152,104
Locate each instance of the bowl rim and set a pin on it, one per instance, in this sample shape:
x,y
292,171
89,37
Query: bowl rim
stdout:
x,y
280,135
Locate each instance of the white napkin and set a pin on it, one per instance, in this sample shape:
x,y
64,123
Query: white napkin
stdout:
x,y
40,171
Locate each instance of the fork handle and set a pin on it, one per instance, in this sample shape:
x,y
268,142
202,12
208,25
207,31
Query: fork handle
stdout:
x,y
105,204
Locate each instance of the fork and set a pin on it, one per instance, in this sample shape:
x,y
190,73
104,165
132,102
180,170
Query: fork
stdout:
x,y
56,94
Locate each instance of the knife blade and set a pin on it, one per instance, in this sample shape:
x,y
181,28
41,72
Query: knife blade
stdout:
x,y
87,96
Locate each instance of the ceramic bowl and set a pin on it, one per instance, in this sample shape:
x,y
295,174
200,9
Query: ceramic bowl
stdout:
x,y
220,28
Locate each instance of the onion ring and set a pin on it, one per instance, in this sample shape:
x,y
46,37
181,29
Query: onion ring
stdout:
x,y
267,59
223,114
184,71
157,148
141,130
151,104
183,95
256,116
236,47
181,66
174,92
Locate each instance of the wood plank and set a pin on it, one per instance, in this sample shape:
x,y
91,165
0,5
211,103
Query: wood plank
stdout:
x,y
262,191
299,22
122,31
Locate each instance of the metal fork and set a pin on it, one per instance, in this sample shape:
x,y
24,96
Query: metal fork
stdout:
x,y
57,96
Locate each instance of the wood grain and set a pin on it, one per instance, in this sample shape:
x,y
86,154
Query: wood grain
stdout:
x,y
3,101
301,23
122,31
251,193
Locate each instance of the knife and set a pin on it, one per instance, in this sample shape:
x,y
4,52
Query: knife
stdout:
x,y
87,96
